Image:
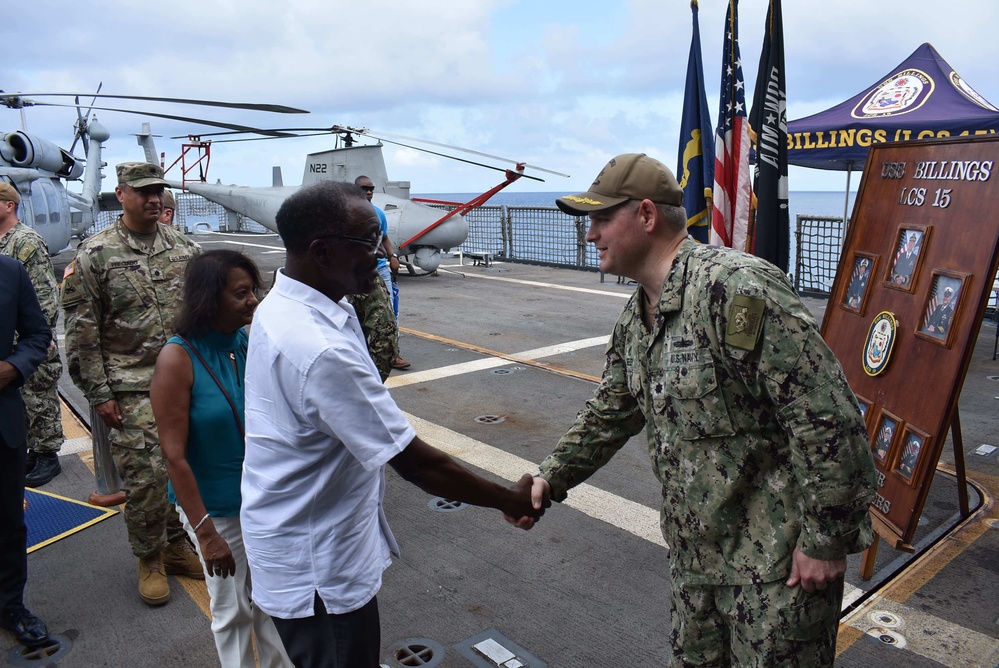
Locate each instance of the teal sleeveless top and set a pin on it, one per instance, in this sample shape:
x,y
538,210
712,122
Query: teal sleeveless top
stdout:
x,y
214,444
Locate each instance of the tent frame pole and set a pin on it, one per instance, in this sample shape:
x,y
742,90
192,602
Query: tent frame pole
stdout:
x,y
846,203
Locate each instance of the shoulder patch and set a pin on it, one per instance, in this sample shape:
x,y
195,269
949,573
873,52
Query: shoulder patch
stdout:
x,y
745,321
70,269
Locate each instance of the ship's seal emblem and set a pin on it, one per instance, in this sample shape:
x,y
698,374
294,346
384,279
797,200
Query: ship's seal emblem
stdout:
x,y
900,93
879,344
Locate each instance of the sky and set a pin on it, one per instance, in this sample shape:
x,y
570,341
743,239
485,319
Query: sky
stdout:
x,y
557,84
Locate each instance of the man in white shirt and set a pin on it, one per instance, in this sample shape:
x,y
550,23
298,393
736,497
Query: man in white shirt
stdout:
x,y
320,427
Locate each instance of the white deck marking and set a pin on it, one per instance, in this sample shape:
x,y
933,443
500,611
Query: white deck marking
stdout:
x,y
632,517
492,362
252,235
540,284
929,636
74,445
275,249
636,519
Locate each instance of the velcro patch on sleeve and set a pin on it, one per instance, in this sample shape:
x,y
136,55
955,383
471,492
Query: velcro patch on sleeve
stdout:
x,y
745,321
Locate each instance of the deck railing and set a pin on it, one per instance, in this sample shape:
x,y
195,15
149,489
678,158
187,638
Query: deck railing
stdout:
x,y
539,235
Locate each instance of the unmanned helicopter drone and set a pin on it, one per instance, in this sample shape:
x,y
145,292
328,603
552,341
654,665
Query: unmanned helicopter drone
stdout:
x,y
418,232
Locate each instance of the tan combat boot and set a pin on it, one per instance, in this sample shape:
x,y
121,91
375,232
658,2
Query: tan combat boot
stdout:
x,y
153,586
179,558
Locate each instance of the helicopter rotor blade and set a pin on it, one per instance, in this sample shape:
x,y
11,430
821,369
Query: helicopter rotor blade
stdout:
x,y
275,108
382,135
81,121
186,119
233,141
78,126
470,162
333,129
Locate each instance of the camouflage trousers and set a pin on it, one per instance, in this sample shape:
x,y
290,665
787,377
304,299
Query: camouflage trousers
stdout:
x,y
41,405
766,625
150,519
374,311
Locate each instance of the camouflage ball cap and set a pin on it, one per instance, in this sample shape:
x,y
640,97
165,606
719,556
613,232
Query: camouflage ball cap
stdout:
x,y
140,174
628,176
8,193
168,200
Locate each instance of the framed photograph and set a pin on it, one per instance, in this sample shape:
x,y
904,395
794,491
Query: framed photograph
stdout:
x,y
884,436
865,407
855,297
903,269
913,441
941,308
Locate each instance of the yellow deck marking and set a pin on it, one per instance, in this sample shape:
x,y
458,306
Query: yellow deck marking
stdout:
x,y
924,568
71,424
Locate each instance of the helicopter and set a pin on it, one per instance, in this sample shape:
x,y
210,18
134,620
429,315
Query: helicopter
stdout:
x,y
39,169
419,233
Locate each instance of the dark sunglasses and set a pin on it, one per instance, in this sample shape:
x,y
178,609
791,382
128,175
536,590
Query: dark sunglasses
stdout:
x,y
368,189
372,244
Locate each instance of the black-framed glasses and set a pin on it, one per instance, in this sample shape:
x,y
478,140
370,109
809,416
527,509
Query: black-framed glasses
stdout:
x,y
372,244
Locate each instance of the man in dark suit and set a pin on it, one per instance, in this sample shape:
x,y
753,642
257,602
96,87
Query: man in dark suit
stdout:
x,y
20,315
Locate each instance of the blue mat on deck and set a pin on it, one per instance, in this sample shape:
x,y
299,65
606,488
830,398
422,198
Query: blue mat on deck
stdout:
x,y
50,517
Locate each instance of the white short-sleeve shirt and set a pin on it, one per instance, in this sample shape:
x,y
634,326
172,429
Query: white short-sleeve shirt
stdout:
x,y
320,426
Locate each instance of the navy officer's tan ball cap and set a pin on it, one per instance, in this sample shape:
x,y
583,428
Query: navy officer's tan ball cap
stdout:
x,y
140,174
8,193
628,176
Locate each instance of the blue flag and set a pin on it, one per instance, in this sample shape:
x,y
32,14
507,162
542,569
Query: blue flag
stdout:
x,y
696,161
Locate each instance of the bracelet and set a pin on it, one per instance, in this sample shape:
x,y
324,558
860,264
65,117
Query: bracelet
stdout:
x,y
198,525
394,255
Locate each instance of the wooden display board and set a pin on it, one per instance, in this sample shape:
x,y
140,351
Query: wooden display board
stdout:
x,y
910,292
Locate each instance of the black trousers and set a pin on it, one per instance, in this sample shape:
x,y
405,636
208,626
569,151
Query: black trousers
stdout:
x,y
350,640
13,534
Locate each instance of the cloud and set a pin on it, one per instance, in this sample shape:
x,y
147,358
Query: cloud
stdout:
x,y
559,84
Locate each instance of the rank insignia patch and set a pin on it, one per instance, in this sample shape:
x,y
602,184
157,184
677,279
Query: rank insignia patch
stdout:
x,y
745,321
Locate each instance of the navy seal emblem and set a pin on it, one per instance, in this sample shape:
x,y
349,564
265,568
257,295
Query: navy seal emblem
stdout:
x,y
900,93
879,344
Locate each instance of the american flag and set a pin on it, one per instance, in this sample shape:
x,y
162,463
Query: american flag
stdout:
x,y
732,190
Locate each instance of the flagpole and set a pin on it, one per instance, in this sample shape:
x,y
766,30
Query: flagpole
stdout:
x,y
846,200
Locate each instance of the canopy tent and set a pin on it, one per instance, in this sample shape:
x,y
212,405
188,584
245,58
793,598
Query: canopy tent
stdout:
x,y
923,97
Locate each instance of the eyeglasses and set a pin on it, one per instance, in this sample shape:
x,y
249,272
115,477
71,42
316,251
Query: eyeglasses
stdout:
x,y
368,189
372,244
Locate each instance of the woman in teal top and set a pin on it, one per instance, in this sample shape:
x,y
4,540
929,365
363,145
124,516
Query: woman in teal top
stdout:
x,y
197,398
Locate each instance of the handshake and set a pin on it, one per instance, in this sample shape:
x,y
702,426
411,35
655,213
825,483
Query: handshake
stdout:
x,y
530,497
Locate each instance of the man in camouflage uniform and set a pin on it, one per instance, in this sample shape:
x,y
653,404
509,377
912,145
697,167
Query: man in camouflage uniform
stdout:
x,y
381,333
41,397
388,269
752,428
169,208
120,295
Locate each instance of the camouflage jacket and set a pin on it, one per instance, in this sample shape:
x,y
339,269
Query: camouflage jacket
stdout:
x,y
28,247
381,332
119,300
752,428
